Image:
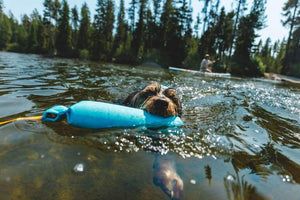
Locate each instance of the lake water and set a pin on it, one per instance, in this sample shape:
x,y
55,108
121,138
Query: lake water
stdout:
x,y
241,138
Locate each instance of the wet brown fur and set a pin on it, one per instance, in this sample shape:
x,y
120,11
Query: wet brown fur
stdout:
x,y
166,177
156,100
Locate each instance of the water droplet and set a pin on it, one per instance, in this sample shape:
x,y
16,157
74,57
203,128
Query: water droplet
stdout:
x,y
230,177
78,168
287,178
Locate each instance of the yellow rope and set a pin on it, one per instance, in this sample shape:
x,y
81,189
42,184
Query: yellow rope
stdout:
x,y
21,118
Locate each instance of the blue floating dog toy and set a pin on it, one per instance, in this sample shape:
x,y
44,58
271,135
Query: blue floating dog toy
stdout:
x,y
97,115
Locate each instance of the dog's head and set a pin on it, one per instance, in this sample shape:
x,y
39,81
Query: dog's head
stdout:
x,y
156,100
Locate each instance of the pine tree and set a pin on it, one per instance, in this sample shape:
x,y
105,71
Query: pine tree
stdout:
x,y
97,34
1,8
185,17
154,26
172,35
167,13
63,40
33,38
246,35
109,27
75,20
225,35
266,56
5,31
197,25
149,34
102,32
14,27
185,22
84,35
47,11
120,38
280,53
241,6
56,6
139,33
292,13
51,13
156,9
42,38
22,38
131,14
204,11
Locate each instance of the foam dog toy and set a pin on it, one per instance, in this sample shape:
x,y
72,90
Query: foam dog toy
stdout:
x,y
97,115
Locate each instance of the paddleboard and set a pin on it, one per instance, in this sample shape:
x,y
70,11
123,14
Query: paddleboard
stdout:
x,y
226,75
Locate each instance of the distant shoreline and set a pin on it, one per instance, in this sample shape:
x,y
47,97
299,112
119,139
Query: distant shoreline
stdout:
x,y
279,77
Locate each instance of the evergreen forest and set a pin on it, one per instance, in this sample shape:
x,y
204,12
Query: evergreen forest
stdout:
x,y
158,31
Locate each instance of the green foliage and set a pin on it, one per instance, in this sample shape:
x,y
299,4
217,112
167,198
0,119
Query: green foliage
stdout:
x,y
63,40
102,31
131,14
124,54
1,7
252,68
245,40
43,39
120,38
256,68
295,70
5,31
75,22
138,34
32,38
84,54
192,59
22,40
84,35
278,60
223,32
266,56
291,12
14,47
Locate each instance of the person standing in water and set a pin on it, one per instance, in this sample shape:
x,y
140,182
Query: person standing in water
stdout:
x,y
204,67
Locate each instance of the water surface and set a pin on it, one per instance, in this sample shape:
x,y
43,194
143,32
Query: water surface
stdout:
x,y
241,138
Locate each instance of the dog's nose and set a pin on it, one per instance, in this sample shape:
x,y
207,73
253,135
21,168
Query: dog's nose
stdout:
x,y
160,103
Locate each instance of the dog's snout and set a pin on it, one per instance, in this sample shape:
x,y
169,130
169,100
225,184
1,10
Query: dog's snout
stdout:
x,y
161,103
155,100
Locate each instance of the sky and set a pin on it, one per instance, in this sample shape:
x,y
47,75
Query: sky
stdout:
x,y
273,29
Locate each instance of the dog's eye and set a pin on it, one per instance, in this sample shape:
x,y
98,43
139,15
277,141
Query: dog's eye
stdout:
x,y
170,93
149,93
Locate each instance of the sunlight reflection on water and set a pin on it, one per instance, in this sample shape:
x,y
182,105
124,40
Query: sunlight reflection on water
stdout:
x,y
238,133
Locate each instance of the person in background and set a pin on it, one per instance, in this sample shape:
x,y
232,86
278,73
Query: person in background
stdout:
x,y
204,67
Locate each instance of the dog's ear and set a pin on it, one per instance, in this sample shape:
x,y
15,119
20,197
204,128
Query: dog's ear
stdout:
x,y
179,108
128,101
173,95
178,104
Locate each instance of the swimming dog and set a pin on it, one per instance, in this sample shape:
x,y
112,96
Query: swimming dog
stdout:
x,y
164,102
166,177
156,100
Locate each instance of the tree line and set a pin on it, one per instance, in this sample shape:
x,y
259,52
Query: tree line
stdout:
x,y
160,31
